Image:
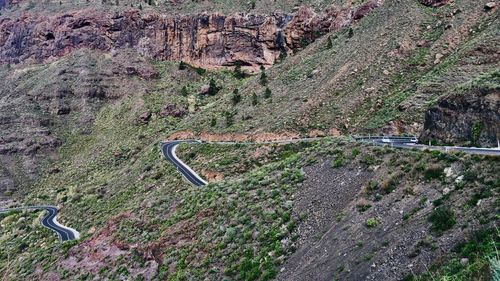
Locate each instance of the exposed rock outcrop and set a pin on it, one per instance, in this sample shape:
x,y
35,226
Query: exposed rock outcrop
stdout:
x,y
207,40
472,118
173,110
434,3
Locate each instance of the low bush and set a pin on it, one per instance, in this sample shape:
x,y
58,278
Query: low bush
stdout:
x,y
338,162
433,172
371,222
442,218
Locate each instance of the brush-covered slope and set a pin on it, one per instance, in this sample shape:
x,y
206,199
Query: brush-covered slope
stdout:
x,y
382,74
81,130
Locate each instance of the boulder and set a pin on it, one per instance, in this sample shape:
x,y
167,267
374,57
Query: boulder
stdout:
x,y
205,89
173,110
490,6
145,117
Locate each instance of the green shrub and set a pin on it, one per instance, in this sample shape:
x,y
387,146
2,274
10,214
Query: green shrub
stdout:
x,y
482,252
433,172
371,222
442,218
476,130
368,159
470,175
390,184
363,207
338,162
249,269
355,152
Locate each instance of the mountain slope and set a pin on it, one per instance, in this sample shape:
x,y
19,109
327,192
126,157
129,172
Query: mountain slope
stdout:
x,y
82,127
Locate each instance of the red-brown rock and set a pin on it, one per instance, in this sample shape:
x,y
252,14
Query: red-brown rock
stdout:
x,y
173,110
145,117
434,3
206,40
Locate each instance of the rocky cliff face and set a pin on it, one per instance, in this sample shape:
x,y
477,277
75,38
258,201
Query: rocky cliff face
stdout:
x,y
472,118
207,40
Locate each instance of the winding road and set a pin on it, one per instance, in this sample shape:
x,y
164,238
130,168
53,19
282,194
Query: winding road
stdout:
x,y
50,221
168,150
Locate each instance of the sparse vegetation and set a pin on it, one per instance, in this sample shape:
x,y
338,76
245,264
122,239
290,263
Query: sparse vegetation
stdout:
x,y
475,259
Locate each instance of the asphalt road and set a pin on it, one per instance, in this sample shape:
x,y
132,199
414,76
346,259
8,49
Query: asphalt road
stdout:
x,y
168,150
50,221
411,143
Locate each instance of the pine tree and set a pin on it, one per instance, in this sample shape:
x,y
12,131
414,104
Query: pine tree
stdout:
x,y
350,33
229,118
213,89
263,78
236,98
184,91
267,93
329,45
238,73
182,65
255,99
283,55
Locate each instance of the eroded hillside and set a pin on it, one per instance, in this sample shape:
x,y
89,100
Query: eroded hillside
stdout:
x,y
89,89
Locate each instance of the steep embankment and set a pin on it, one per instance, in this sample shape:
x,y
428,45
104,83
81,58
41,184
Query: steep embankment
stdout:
x,y
470,116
